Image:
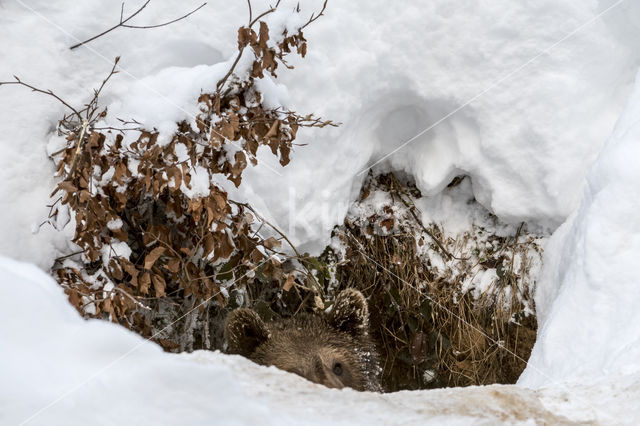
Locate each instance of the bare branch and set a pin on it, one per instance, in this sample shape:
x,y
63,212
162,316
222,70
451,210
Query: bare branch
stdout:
x,y
92,106
144,27
61,258
228,74
324,6
79,146
263,14
46,92
114,27
132,122
123,22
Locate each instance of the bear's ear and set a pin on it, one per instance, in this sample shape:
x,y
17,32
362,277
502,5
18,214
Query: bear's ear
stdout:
x,y
350,313
244,332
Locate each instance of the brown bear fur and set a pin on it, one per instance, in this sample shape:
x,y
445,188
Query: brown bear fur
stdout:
x,y
333,349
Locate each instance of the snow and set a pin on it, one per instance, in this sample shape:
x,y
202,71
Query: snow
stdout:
x,y
531,112
199,185
527,142
524,95
59,369
115,250
589,292
93,372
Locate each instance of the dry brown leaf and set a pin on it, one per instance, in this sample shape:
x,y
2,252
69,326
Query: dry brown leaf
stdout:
x,y
74,297
107,306
159,285
289,282
264,35
67,186
244,37
273,130
271,242
84,196
151,258
144,283
228,131
220,199
173,265
387,224
225,246
115,269
209,245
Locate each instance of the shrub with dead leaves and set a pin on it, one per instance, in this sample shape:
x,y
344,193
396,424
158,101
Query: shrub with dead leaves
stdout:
x,y
147,239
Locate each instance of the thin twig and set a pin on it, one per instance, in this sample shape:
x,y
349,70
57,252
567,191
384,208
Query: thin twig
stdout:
x,y
122,130
46,92
92,106
324,6
304,302
123,22
265,13
515,246
222,81
411,207
144,27
58,259
293,247
134,300
79,146
114,27
89,110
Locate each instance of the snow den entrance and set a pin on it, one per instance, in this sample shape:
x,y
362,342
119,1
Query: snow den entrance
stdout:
x,y
450,286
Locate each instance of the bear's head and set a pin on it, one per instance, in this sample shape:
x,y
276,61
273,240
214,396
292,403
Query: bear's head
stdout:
x,y
333,349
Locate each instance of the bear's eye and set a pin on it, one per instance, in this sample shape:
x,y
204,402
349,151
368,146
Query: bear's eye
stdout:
x,y
337,369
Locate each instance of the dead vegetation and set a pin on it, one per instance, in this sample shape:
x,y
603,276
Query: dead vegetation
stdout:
x,y
162,250
433,329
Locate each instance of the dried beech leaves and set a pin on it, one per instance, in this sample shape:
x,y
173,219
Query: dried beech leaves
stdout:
x,y
143,232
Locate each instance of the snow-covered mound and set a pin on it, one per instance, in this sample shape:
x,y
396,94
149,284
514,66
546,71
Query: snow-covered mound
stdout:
x,y
589,293
58,369
525,93
94,372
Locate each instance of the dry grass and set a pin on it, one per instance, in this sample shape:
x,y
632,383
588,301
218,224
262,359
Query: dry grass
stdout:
x,y
430,332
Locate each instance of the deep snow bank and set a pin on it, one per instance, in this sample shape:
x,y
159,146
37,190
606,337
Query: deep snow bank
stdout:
x,y
589,293
543,83
94,372
527,135
58,369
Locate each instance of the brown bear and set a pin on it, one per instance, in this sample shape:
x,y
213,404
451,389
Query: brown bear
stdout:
x,y
333,349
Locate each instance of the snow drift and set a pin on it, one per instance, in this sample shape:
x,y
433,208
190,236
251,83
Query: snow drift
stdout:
x,y
524,95
588,296
58,369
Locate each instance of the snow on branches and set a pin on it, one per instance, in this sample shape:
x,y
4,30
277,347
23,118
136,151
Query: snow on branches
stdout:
x,y
150,220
